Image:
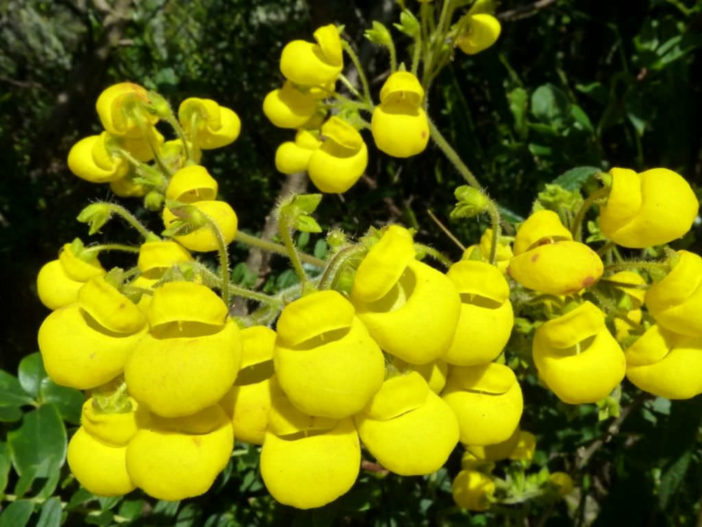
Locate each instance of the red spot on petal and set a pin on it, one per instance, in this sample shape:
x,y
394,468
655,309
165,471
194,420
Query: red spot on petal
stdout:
x,y
535,257
588,281
424,134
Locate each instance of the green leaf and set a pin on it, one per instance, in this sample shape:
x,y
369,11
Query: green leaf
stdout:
x,y
16,514
550,104
575,178
31,372
409,24
95,215
378,34
673,478
518,106
306,223
11,392
50,515
5,463
131,509
68,401
321,249
166,508
10,414
189,516
307,202
581,118
38,447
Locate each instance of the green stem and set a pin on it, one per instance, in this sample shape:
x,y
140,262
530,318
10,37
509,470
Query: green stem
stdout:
x,y
242,291
178,129
337,262
276,248
132,220
437,255
361,73
576,228
459,165
346,82
148,137
417,53
223,257
113,247
446,230
656,266
285,229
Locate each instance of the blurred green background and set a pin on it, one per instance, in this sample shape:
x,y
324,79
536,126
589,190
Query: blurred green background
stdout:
x,y
569,83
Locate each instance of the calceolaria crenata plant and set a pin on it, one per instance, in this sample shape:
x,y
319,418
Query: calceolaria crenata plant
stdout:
x,y
374,353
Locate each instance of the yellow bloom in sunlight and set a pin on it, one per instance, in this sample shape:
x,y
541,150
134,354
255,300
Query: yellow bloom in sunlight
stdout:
x,y
292,157
208,124
288,107
479,31
472,490
312,64
122,109
90,159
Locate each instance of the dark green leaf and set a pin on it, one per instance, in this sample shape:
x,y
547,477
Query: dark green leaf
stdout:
x,y
549,104
50,515
673,477
189,516
104,518
10,414
581,118
518,106
68,401
11,392
31,372
321,249
575,178
131,509
166,508
16,514
5,463
107,503
38,447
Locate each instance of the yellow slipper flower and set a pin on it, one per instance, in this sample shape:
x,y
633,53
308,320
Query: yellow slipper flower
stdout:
x,y
409,308
202,239
192,183
91,160
121,106
292,157
577,357
325,360
399,124
311,64
666,364
519,446
473,490
288,107
676,301
174,459
479,32
307,462
487,400
648,208
482,251
340,161
486,318
208,124
407,427
248,402
191,355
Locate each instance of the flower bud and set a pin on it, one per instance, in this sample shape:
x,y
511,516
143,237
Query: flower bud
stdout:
x,y
473,490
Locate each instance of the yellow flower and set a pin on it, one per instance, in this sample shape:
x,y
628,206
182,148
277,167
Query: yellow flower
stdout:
x,y
486,318
97,451
59,280
202,239
473,490
208,124
325,360
126,188
504,251
311,64
292,157
676,301
174,459
407,427
546,259
409,308
479,32
306,461
191,355
192,183
651,208
86,344
577,357
249,400
155,258
434,373
487,400
121,106
340,160
399,124
519,446
90,159
142,148
288,107
666,364
563,483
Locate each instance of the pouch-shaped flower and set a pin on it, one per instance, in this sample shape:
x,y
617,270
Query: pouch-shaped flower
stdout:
x,y
479,32
202,239
676,300
59,280
248,402
142,148
126,188
577,357
174,459
434,373
207,124
648,208
155,258
86,344
292,157
409,308
192,183
307,462
399,124
407,427
666,364
288,107
472,490
312,64
519,446
90,159
546,259
482,251
97,451
325,360
341,159
486,318
121,106
190,357
632,299
487,400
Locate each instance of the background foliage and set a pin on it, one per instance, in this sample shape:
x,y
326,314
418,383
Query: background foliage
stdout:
x,y
570,83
